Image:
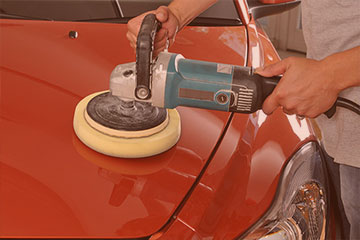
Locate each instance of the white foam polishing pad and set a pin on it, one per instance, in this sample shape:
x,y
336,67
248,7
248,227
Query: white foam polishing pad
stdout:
x,y
123,143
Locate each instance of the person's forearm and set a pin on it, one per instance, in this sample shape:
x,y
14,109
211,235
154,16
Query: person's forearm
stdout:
x,y
187,10
345,68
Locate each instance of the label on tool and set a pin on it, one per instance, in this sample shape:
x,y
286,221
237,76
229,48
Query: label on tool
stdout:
x,y
196,94
243,87
244,98
224,68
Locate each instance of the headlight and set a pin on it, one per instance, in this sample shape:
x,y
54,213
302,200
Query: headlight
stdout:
x,y
299,208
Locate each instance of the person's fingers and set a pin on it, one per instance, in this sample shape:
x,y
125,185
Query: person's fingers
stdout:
x,y
161,45
133,45
270,104
131,37
132,40
162,14
161,38
133,29
134,24
158,50
164,37
161,35
288,112
274,69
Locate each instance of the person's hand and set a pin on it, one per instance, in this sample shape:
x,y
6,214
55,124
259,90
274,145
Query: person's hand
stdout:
x,y
307,87
164,37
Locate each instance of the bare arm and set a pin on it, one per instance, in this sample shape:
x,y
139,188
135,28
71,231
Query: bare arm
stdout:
x,y
309,87
178,14
187,10
345,67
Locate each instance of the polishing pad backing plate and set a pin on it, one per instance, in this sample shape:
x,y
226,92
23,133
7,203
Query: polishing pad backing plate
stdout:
x,y
134,145
116,117
108,115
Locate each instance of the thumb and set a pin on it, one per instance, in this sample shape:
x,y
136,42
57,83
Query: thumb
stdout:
x,y
270,105
273,69
162,14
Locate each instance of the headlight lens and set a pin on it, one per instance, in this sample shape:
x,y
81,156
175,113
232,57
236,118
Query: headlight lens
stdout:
x,y
299,209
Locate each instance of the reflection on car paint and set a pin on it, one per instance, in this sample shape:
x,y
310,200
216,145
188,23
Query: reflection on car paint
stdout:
x,y
299,126
234,40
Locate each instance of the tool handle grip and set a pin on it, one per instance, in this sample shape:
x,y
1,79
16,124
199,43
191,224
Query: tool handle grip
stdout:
x,y
270,83
264,87
144,53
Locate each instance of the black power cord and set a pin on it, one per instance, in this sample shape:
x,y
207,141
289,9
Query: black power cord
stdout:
x,y
345,103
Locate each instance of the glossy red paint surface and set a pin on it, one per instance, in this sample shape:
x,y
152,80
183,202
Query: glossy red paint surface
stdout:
x,y
262,52
53,185
240,182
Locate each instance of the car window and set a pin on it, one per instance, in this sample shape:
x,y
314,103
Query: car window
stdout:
x,y
223,13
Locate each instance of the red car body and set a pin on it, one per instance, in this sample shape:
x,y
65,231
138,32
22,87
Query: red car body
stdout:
x,y
215,183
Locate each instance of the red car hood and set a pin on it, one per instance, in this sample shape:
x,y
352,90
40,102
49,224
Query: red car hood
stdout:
x,y
53,185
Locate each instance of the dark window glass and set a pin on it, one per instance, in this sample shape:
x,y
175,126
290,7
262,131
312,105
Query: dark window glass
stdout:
x,y
222,13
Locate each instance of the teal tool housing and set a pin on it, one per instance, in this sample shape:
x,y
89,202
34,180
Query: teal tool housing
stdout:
x,y
199,84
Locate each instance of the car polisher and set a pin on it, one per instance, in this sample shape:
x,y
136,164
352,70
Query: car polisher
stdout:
x,y
121,127
171,80
137,117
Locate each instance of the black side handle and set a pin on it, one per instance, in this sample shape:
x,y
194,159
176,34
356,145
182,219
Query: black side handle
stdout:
x,y
144,52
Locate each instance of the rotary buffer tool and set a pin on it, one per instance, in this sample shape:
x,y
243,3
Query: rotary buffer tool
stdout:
x,y
137,117
171,80
122,127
